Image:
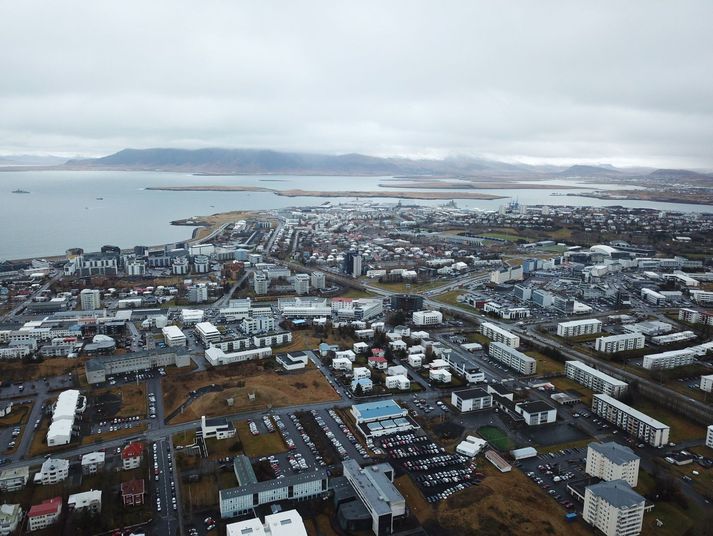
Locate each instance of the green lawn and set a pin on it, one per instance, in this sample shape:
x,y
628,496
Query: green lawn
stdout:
x,y
496,437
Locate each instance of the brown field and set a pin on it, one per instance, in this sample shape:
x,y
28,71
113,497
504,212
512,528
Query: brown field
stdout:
x,y
306,340
133,398
270,388
505,503
682,429
52,366
545,365
565,384
260,445
19,415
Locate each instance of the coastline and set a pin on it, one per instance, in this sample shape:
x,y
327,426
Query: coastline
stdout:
x,y
700,198
320,193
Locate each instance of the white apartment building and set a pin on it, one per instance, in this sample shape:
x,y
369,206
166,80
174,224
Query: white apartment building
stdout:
x,y
614,508
260,283
173,336
87,500
216,356
53,470
577,328
667,360
318,280
695,317
707,383
594,379
300,283
497,334
512,358
259,324
90,299
709,436
471,400
427,318
612,461
634,422
625,342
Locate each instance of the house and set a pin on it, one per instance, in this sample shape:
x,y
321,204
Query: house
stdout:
x,y
365,383
132,492
378,363
87,500
398,346
346,354
398,381
416,360
292,361
10,517
416,349
536,412
361,372
471,400
44,514
440,375
131,455
218,427
378,352
93,462
360,347
397,370
341,364
14,479
53,470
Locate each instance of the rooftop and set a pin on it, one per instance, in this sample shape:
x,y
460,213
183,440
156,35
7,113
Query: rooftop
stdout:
x,y
277,483
617,493
616,453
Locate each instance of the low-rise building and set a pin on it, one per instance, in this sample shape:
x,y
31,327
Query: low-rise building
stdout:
x,y
217,427
427,318
10,518
217,357
133,492
90,501
614,508
206,332
667,360
293,361
131,455
14,479
497,334
471,400
707,383
612,461
93,462
399,381
99,368
536,412
43,515
53,470
173,336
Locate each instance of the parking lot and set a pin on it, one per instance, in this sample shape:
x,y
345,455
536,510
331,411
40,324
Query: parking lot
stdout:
x,y
553,471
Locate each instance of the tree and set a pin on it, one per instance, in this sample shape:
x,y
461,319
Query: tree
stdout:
x,y
358,391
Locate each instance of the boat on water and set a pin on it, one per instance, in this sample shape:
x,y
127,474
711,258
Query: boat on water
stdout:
x,y
18,191
100,199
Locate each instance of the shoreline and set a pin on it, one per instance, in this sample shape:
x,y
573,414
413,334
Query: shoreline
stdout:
x,y
445,196
649,195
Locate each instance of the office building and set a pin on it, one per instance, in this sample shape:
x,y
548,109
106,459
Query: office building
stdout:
x,y
668,360
173,336
577,328
625,342
498,334
614,508
353,264
217,427
594,379
632,421
612,461
374,487
99,368
300,283
471,400
536,412
318,280
198,293
427,318
260,283
513,358
90,299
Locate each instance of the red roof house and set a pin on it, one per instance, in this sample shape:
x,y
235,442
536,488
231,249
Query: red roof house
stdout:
x,y
132,492
131,455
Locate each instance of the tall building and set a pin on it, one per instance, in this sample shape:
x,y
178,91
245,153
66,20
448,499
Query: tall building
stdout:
x,y
318,280
90,299
612,461
614,508
352,264
301,284
260,283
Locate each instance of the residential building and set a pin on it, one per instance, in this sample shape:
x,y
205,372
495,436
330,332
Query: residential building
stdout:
x,y
427,318
301,284
276,338
374,487
133,492
251,493
577,328
258,324
612,461
14,479
594,379
398,381
44,514
131,455
696,317
707,383
99,368
498,334
365,384
293,361
90,299
10,518
614,508
218,427
87,500
536,412
318,280
513,358
634,422
709,436
53,470
667,360
471,400
260,283
625,342
93,462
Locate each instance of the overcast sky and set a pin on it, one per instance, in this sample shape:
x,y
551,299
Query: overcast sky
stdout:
x,y
628,83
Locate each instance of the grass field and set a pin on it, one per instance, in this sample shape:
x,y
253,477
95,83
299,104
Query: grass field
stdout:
x,y
270,389
496,437
306,340
477,337
451,298
681,428
545,365
407,287
354,293
504,236
260,445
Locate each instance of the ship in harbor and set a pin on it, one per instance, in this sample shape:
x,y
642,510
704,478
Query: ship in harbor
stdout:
x,y
18,191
